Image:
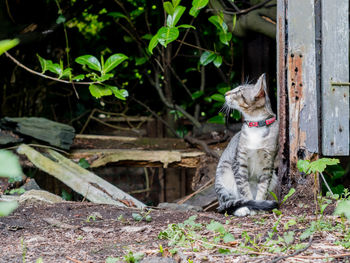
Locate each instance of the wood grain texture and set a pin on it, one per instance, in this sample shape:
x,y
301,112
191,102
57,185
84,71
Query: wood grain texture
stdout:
x,y
335,68
301,76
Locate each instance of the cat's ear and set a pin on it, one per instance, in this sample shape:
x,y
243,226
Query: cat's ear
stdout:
x,y
260,87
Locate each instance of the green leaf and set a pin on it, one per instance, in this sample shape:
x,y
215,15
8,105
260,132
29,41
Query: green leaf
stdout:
x,y
207,57
168,7
55,68
98,91
79,77
148,218
167,35
218,61
84,163
197,5
308,232
9,164
197,94
67,72
321,164
217,119
224,251
224,89
303,166
186,26
140,61
288,237
173,19
113,61
216,227
43,63
66,196
218,22
153,43
127,39
236,115
343,208
228,237
7,207
117,15
234,22
105,77
218,97
176,3
225,38
90,61
147,36
112,260
274,196
119,93
136,216
194,11
7,44
291,222
290,193
61,19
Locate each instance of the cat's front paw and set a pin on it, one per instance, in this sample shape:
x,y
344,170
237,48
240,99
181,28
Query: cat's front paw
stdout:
x,y
243,211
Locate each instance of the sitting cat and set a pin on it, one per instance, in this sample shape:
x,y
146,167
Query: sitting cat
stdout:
x,y
245,173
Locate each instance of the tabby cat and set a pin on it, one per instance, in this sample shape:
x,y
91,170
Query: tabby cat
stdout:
x,y
245,173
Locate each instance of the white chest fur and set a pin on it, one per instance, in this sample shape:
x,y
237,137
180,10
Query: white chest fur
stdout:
x,y
255,138
256,144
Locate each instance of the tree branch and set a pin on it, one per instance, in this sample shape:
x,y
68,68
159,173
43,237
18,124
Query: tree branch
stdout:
x,y
205,147
241,12
155,83
46,76
159,118
181,82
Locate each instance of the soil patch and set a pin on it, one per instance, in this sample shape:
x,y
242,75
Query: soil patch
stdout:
x,y
86,232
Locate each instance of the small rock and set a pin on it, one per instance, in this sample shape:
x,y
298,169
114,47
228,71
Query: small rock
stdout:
x,y
182,207
133,229
31,185
157,260
39,197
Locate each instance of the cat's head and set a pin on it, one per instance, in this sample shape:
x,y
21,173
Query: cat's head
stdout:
x,y
251,100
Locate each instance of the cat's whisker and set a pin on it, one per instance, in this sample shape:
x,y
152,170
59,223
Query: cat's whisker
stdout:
x,y
225,109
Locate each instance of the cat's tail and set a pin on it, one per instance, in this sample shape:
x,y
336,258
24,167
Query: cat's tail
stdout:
x,y
231,205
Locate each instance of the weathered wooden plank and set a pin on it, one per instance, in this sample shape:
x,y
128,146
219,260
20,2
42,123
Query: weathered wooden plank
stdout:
x,y
132,157
56,134
79,179
301,75
335,68
88,141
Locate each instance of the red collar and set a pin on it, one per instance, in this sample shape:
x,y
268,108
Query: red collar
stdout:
x,y
262,123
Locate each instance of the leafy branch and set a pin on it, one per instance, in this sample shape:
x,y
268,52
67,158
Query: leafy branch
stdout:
x,y
97,86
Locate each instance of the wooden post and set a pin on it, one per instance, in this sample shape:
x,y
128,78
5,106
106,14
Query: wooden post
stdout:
x,y
297,70
282,97
335,69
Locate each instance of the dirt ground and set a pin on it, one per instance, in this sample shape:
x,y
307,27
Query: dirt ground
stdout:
x,y
86,232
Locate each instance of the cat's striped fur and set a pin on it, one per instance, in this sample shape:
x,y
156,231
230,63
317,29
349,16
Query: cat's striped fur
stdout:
x,y
245,173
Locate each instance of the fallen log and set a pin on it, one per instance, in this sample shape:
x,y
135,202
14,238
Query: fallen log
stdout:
x,y
84,182
159,158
